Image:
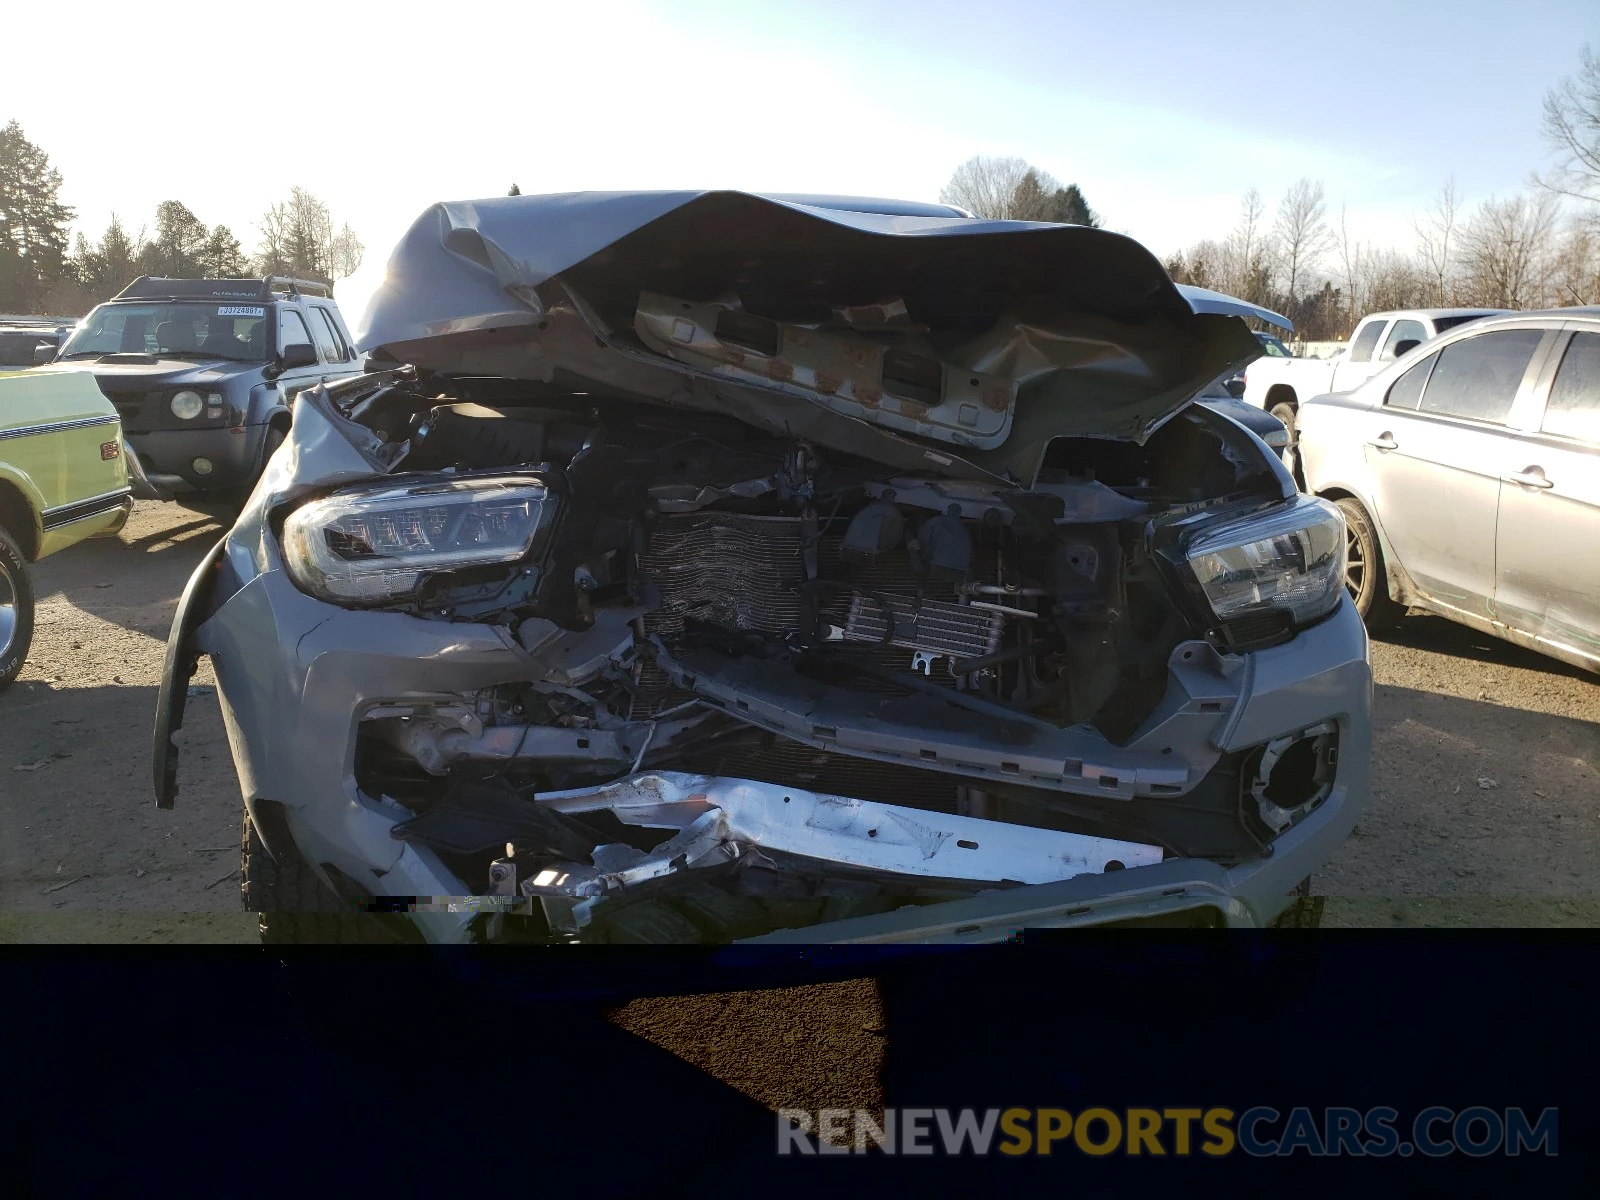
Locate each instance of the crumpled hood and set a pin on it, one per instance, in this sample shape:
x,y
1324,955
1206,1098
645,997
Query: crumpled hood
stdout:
x,y
926,341
1205,300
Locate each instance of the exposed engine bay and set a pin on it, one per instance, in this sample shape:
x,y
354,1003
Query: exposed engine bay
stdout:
x,y
699,566
916,658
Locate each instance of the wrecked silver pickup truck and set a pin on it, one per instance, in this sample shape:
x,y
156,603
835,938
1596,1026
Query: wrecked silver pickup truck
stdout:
x,y
712,566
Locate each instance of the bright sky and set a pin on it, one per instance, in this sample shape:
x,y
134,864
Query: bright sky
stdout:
x,y
1163,112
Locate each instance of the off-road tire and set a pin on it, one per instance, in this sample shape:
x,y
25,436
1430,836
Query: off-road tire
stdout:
x,y
293,905
18,584
1366,577
1305,912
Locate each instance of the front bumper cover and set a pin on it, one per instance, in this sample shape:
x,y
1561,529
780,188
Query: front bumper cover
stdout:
x,y
143,487
166,457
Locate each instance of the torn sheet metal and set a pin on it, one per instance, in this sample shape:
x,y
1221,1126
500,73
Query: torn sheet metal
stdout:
x,y
720,818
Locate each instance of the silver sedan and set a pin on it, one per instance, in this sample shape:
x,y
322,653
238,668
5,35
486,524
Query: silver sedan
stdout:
x,y
1469,475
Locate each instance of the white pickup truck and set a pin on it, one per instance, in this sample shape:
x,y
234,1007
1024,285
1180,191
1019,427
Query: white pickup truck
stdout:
x,y
1280,384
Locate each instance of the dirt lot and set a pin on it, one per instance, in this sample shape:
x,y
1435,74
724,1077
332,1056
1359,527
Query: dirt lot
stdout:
x,y
1486,809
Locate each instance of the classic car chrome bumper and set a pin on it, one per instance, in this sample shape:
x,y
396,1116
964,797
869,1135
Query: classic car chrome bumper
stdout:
x,y
143,487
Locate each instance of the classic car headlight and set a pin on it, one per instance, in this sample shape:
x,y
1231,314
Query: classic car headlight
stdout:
x,y
186,406
1291,558
373,545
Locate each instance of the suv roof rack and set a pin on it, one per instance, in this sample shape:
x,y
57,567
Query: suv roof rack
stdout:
x,y
156,287
311,287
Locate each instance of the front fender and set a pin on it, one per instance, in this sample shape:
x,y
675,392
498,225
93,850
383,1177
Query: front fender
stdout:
x,y
182,658
31,497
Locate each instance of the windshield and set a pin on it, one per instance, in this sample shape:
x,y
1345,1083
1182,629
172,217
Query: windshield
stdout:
x,y
237,332
1272,347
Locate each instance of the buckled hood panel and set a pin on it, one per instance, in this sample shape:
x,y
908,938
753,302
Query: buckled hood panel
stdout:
x,y
923,340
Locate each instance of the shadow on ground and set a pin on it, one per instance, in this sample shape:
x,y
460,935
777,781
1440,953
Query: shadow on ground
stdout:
x,y
134,579
1472,798
1439,635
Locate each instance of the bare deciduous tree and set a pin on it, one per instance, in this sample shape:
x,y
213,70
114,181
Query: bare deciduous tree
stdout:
x,y
1246,272
1012,189
1571,126
1301,233
345,252
1201,265
1576,269
1251,209
1505,250
1435,229
1351,263
1240,264
1376,279
1391,280
985,186
274,256
298,238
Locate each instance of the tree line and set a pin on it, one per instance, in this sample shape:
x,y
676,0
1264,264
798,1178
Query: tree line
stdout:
x,y
42,271
1013,189
1526,251
1537,249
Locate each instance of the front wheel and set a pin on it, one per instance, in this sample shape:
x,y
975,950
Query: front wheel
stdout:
x,y
1364,573
16,610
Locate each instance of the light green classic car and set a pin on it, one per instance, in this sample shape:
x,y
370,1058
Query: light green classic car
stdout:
x,y
63,478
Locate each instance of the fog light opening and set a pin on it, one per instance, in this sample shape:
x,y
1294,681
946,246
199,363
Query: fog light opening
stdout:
x,y
1293,775
202,466
1293,780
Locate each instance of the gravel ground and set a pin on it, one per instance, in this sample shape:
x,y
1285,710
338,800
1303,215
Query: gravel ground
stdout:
x,y
85,855
1486,809
820,1046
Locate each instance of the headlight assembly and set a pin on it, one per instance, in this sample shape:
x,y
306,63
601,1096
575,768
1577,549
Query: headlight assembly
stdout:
x,y
186,406
372,545
1289,559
